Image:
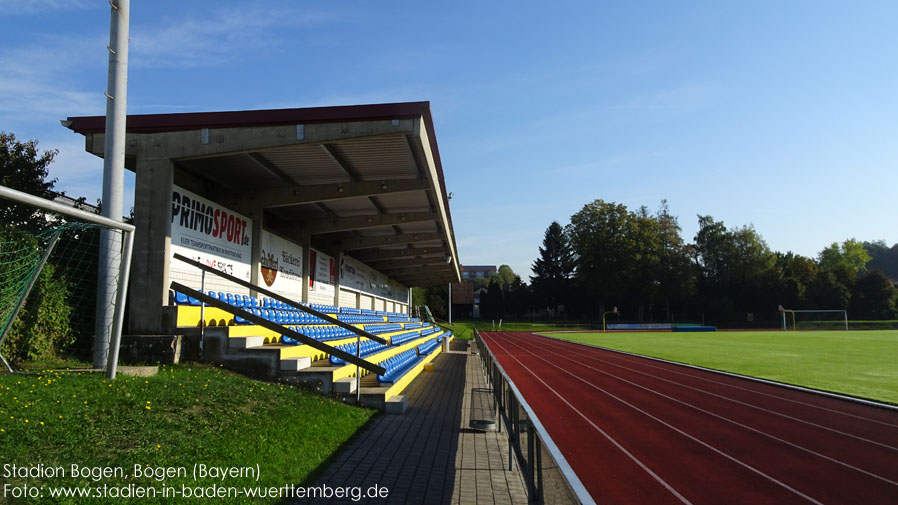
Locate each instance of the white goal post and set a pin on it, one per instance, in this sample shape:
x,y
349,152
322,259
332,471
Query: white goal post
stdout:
x,y
810,311
113,337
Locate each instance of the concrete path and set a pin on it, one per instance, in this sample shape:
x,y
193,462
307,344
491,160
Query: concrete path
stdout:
x,y
429,455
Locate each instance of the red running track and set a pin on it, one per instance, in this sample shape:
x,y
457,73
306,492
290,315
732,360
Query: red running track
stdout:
x,y
641,431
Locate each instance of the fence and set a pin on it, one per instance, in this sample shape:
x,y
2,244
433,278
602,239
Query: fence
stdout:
x,y
548,477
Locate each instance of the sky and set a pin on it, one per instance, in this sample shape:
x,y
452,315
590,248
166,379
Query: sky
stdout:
x,y
778,114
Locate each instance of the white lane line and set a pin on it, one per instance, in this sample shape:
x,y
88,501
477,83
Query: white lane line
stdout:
x,y
599,429
624,354
810,451
762,409
678,430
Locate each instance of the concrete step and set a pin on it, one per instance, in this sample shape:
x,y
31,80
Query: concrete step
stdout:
x,y
295,364
245,342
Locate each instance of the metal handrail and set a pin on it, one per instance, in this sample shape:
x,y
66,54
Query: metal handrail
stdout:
x,y
533,466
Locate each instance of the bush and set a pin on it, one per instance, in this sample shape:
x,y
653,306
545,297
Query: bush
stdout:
x,y
42,326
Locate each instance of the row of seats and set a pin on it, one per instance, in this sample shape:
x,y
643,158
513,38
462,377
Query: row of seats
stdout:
x,y
382,328
355,319
398,365
283,317
320,333
367,348
428,347
404,337
413,325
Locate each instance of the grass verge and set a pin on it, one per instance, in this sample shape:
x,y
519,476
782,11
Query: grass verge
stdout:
x,y
856,363
465,329
184,416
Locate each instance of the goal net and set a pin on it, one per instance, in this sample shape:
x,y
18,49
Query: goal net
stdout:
x,y
822,319
49,271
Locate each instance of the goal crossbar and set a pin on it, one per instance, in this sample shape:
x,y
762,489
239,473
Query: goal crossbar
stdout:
x,y
800,311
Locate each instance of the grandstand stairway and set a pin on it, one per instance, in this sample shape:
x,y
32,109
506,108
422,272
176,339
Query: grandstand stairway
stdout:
x,y
264,353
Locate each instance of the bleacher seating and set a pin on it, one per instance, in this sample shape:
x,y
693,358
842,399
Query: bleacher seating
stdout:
x,y
404,337
321,333
382,328
398,365
428,347
368,347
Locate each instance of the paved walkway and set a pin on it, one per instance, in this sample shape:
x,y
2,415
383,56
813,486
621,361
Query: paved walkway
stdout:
x,y
429,455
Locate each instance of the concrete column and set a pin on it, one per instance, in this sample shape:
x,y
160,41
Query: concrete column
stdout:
x,y
306,266
339,260
152,245
254,276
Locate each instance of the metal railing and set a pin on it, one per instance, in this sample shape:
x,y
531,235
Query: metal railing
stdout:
x,y
548,477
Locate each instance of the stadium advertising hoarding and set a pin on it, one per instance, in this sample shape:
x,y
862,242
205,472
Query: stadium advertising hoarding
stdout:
x,y
356,275
211,234
322,276
280,266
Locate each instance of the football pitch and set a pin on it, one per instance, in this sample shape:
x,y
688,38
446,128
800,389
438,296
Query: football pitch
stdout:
x,y
857,363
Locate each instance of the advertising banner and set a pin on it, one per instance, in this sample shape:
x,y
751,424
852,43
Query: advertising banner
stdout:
x,y
322,275
281,265
356,275
211,234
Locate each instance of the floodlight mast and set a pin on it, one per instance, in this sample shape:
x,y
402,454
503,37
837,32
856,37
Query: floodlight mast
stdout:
x,y
113,176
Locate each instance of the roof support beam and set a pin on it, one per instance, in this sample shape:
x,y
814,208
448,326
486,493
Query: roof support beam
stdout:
x,y
429,263
297,195
361,222
270,168
391,254
385,240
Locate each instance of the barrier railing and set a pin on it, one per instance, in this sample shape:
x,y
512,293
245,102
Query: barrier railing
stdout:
x,y
549,478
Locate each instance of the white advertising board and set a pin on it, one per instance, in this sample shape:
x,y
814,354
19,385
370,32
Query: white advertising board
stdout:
x,y
280,268
356,275
211,234
323,274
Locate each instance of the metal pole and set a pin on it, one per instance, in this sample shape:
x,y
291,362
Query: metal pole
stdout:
x,y
450,303
358,376
202,313
121,298
113,175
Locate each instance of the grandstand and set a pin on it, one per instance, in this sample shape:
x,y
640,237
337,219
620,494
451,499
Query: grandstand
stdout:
x,y
286,242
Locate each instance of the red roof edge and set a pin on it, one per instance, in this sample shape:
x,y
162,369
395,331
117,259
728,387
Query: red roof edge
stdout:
x,y
150,123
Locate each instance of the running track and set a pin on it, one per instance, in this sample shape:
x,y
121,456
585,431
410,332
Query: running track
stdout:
x,y
640,431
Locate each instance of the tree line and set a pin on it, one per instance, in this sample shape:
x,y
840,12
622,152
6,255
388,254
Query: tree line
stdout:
x,y
610,256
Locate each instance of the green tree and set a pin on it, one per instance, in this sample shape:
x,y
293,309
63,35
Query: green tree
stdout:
x,y
24,168
505,275
553,268
603,245
883,258
874,297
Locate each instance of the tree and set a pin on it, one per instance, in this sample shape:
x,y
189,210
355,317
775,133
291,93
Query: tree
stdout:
x,y
874,297
883,258
603,248
506,276
24,168
553,268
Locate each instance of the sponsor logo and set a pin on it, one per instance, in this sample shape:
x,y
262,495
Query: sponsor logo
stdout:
x,y
208,219
269,267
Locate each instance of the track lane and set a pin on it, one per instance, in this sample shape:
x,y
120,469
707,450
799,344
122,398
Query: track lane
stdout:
x,y
819,473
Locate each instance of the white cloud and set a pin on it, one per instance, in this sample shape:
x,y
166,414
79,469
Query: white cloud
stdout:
x,y
214,39
29,7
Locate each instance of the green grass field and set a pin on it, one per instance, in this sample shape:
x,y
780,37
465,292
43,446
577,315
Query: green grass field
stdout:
x,y
184,415
856,363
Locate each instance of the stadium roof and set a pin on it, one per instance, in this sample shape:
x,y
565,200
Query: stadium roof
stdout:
x,y
363,179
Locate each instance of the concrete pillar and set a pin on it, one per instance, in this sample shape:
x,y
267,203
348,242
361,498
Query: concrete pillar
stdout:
x,y
256,257
152,245
306,266
339,261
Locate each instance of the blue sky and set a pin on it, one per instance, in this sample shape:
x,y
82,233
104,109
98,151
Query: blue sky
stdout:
x,y
780,114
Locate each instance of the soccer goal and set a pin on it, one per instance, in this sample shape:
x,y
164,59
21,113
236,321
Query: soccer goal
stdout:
x,y
50,282
816,319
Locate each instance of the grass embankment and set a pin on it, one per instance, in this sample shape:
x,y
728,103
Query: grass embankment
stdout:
x,y
181,417
856,363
